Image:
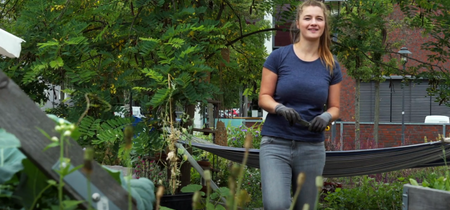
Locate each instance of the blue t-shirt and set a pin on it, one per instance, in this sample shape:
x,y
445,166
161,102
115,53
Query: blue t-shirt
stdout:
x,y
301,85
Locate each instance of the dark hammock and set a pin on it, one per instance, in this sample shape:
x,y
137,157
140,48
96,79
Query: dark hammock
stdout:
x,y
354,162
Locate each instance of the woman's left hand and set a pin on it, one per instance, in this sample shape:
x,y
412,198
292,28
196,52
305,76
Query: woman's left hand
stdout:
x,y
319,123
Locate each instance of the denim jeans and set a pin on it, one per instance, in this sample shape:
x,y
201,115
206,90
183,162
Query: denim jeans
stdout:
x,y
281,161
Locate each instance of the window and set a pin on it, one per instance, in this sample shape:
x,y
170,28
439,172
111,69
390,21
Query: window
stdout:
x,y
417,104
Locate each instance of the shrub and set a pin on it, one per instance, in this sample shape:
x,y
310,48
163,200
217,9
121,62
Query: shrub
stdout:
x,y
236,135
367,194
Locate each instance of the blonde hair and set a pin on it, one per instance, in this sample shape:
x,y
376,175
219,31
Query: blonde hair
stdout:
x,y
325,40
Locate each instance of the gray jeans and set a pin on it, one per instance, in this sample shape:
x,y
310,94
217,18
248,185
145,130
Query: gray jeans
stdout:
x,y
281,161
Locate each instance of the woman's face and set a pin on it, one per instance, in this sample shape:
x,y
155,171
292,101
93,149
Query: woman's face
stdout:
x,y
311,23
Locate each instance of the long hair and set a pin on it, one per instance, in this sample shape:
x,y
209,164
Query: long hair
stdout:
x,y
325,40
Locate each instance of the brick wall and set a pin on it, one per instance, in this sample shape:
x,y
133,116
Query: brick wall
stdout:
x,y
389,135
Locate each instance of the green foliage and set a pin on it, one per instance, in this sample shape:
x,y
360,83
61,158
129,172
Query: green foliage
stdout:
x,y
236,135
368,194
215,196
433,20
29,188
106,47
440,181
362,39
34,190
10,164
106,137
251,181
434,181
115,51
142,190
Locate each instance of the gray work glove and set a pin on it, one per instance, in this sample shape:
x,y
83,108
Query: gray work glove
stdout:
x,y
289,114
319,123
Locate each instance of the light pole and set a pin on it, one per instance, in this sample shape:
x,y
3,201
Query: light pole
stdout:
x,y
404,58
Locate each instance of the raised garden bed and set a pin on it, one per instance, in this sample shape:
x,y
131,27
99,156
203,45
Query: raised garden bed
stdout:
x,y
424,198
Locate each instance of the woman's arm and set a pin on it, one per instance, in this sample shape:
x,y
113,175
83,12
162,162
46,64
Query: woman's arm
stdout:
x,y
334,100
268,85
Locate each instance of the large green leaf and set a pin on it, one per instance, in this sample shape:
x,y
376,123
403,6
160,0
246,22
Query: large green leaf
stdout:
x,y
116,174
142,190
10,157
8,140
160,97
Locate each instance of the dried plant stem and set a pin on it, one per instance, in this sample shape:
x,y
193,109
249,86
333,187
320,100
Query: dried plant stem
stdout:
x,y
248,142
159,194
319,185
88,104
172,138
300,181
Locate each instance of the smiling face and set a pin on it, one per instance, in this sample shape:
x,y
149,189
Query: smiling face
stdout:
x,y
311,23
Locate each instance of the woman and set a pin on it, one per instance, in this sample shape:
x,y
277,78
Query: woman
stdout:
x,y
297,81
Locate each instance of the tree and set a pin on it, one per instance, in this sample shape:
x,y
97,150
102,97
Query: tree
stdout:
x,y
378,51
433,19
116,52
354,28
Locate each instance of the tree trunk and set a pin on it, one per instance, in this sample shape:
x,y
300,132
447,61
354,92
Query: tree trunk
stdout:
x,y
210,108
376,119
241,106
245,107
357,113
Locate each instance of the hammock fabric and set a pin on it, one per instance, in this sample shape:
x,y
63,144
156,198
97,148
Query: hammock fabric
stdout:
x,y
352,162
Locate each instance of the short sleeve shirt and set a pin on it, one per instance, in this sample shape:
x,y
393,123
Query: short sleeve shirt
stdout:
x,y
301,85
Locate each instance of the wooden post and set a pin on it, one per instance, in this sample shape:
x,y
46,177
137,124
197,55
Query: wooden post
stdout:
x,y
21,116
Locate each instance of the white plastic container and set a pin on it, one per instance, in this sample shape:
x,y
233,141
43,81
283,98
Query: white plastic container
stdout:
x,y
437,119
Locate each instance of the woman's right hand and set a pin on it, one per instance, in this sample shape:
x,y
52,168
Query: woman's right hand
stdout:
x,y
289,114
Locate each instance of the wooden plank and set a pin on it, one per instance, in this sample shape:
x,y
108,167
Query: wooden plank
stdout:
x,y
422,198
20,116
